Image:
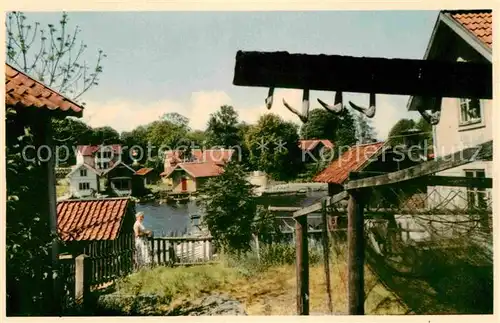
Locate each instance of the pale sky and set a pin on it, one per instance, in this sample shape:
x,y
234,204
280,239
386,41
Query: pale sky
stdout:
x,y
183,62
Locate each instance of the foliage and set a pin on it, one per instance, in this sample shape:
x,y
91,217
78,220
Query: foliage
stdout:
x,y
105,136
176,119
229,208
197,137
28,239
53,56
322,124
401,126
69,133
365,133
222,129
273,148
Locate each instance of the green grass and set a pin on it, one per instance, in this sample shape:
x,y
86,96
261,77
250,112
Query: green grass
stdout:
x,y
62,188
264,288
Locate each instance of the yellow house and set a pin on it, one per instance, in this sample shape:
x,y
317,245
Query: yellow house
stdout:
x,y
189,177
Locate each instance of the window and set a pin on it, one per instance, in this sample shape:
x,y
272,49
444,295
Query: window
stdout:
x,y
84,186
103,165
476,197
470,111
83,173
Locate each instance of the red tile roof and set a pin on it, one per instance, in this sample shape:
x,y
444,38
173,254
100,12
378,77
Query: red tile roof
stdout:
x,y
479,23
338,171
87,150
91,219
20,89
196,169
310,144
208,155
143,171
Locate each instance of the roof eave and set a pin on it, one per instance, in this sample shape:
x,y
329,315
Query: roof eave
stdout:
x,y
461,31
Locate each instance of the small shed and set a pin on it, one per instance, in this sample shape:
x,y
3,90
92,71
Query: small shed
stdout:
x,y
149,176
96,226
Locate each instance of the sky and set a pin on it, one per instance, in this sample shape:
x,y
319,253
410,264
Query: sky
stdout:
x,y
160,62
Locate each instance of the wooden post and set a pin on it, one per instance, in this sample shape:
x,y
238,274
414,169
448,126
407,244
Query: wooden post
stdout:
x,y
302,266
257,247
356,250
326,256
82,279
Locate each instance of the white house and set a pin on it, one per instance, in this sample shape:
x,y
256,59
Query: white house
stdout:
x,y
102,157
464,35
83,180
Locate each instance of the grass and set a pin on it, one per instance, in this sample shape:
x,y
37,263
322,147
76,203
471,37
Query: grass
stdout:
x,y
62,188
264,288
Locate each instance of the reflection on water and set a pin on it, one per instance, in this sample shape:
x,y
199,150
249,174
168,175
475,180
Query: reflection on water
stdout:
x,y
165,219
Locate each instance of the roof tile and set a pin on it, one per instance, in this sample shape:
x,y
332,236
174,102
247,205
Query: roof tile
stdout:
x,y
338,171
22,89
91,219
479,23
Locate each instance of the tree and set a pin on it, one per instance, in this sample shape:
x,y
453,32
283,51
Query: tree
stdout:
x,y
229,208
322,124
177,119
198,137
137,138
105,136
69,133
365,133
273,147
52,56
222,129
401,126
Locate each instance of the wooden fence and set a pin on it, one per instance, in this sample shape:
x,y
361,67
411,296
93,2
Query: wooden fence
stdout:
x,y
175,251
362,187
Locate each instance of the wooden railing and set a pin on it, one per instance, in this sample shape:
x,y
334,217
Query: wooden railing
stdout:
x,y
182,250
109,260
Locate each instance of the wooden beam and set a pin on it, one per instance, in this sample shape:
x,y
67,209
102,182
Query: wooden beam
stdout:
x,y
463,157
364,74
356,255
283,208
459,181
302,254
317,206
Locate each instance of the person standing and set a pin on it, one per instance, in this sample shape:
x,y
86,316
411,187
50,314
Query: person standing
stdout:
x,y
142,250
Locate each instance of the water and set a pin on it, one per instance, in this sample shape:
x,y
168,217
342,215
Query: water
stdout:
x,y
164,219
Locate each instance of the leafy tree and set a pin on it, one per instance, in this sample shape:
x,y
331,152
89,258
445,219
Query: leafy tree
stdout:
x,y
321,125
401,126
105,136
177,119
198,137
53,55
365,133
69,133
346,132
134,139
273,147
229,208
426,128
222,129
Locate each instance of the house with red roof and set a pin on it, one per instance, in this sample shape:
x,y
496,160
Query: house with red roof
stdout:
x,y
205,159
98,168
89,225
190,176
466,36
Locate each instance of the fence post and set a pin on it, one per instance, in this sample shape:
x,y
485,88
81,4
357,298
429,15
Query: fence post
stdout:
x,y
356,253
326,255
302,266
82,279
